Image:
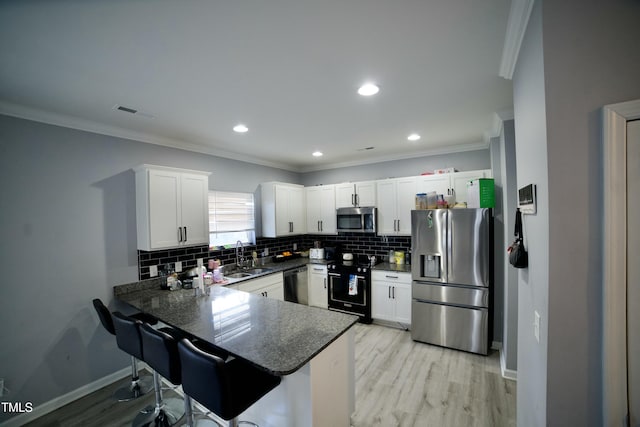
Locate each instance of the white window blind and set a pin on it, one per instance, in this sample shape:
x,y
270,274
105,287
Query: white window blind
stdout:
x,y
231,218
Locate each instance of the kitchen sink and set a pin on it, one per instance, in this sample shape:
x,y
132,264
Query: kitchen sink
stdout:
x,y
239,275
259,270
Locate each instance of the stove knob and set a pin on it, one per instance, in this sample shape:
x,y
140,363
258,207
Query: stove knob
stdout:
x,y
359,269
364,270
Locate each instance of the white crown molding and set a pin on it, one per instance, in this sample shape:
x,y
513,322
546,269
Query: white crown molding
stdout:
x,y
498,121
429,152
38,115
516,27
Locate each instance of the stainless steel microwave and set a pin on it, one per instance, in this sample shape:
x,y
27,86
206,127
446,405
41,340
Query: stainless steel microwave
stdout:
x,y
356,220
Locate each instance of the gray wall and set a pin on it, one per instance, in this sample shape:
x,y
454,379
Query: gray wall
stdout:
x,y
576,57
68,225
465,161
531,155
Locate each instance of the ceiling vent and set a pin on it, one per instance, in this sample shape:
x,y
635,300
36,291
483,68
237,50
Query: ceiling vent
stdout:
x,y
133,111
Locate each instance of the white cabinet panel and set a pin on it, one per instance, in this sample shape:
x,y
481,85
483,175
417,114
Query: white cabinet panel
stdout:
x,y
321,209
396,199
318,294
283,209
356,194
271,286
459,182
391,296
445,183
171,207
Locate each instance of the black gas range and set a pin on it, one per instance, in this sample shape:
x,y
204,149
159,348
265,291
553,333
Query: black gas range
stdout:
x,y
350,287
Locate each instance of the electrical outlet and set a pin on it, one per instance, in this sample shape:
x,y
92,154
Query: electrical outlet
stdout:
x,y
266,251
295,246
153,270
178,266
536,325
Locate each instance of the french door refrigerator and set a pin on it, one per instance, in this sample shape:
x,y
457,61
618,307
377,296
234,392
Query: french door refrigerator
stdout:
x,y
452,272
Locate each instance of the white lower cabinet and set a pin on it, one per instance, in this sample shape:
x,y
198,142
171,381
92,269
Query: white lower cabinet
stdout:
x,y
391,296
271,286
318,293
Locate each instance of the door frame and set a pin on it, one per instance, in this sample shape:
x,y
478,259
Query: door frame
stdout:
x,y
614,277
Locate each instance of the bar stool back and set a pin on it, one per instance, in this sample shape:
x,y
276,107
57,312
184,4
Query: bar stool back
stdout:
x,y
139,386
160,351
227,388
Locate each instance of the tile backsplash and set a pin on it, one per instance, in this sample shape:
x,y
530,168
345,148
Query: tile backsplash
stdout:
x,y
350,242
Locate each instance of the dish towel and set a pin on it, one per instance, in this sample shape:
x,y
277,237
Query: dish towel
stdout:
x,y
353,284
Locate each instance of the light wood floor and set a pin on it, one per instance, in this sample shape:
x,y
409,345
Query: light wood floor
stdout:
x,y
398,383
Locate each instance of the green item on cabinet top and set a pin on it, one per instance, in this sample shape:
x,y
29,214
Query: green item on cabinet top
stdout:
x,y
481,193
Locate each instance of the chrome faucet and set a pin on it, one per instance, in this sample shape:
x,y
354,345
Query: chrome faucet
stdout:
x,y
239,253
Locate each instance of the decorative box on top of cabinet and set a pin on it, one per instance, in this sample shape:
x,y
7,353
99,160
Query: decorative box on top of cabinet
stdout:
x,y
172,207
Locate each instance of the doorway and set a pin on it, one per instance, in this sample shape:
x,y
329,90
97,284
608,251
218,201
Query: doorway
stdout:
x,y
621,245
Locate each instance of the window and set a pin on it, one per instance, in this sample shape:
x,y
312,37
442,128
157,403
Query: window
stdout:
x,y
231,218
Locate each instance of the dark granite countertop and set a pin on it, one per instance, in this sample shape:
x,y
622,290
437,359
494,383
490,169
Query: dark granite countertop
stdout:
x,y
277,336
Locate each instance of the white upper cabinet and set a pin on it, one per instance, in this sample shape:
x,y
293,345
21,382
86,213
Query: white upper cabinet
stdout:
x,y
459,182
356,194
448,183
321,209
171,207
396,199
283,209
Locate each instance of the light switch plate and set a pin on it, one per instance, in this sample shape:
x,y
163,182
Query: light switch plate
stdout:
x,y
178,266
536,325
153,270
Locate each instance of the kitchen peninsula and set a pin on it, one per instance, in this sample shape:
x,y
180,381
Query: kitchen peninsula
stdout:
x,y
312,349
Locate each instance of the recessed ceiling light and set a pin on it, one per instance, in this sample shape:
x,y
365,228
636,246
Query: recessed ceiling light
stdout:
x,y
368,89
240,128
317,154
413,137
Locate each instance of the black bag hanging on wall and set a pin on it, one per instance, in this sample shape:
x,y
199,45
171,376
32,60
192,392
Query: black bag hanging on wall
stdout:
x,y
517,253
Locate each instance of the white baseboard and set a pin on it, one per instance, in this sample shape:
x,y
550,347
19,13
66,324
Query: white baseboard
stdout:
x,y
60,401
509,374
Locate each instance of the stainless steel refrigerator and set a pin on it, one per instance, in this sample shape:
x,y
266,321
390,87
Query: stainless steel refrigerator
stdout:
x,y
452,272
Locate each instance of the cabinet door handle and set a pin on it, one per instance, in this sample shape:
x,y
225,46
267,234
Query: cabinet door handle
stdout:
x,y
389,292
321,226
325,283
179,234
398,225
394,292
391,277
185,234
353,199
357,200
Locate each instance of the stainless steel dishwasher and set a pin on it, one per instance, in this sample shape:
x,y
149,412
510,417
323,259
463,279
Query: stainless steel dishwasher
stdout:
x,y
295,285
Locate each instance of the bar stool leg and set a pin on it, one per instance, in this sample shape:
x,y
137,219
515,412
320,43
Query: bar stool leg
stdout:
x,y
166,412
138,387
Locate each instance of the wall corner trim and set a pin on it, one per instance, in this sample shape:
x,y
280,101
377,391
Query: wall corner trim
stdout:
x,y
614,279
509,374
516,27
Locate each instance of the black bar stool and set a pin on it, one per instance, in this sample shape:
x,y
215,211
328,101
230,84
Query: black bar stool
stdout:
x,y
139,386
160,352
227,388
